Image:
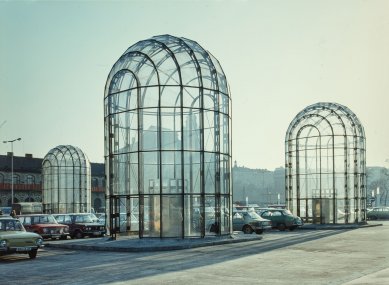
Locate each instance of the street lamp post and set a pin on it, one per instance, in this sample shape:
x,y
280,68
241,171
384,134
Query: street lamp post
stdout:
x,y
12,167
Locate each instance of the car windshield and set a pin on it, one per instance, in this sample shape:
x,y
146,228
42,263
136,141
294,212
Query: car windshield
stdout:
x,y
84,219
287,212
253,215
11,225
93,217
49,219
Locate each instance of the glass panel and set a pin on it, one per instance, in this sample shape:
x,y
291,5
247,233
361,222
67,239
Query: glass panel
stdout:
x,y
210,172
193,216
171,172
171,129
191,97
224,134
133,175
225,175
172,218
149,134
210,100
210,215
152,216
147,74
192,172
171,96
192,130
224,104
209,131
150,172
149,97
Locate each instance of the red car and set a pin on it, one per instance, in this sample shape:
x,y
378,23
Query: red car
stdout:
x,y
45,225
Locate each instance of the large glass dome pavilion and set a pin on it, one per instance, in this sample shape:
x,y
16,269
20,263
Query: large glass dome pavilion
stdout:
x,y
325,165
167,141
66,175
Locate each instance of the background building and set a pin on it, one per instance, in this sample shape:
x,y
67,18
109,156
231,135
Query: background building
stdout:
x,y
28,180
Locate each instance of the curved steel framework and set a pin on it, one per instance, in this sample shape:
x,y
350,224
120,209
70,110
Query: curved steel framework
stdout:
x,y
66,176
325,165
167,141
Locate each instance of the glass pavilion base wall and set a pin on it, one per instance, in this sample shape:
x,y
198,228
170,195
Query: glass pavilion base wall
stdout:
x,y
167,217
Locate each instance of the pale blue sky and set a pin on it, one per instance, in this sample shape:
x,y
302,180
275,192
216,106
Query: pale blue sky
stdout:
x,y
278,56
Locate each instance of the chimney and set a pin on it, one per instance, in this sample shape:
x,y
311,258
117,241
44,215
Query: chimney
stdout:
x,y
28,155
9,153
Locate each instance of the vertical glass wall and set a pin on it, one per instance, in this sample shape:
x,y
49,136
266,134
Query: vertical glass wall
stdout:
x,y
167,141
66,176
325,165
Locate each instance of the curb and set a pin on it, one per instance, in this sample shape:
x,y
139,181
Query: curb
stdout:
x,y
338,227
135,246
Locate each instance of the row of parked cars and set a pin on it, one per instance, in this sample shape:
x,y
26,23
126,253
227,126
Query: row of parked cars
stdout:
x,y
259,220
62,226
25,233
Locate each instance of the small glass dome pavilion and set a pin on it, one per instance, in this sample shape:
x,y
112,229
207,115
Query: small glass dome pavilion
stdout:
x,y
66,176
325,165
167,141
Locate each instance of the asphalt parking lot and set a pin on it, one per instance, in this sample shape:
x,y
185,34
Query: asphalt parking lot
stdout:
x,y
342,256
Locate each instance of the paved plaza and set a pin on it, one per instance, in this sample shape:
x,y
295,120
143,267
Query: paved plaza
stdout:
x,y
341,256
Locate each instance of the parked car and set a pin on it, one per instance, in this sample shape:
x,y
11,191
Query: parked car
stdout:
x,y
5,211
81,225
282,219
249,222
15,239
44,225
378,213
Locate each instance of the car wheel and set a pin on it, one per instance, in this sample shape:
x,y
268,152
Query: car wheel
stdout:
x,y
247,230
292,228
281,227
259,232
64,237
78,234
32,253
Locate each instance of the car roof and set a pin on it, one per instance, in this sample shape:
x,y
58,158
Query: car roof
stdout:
x,y
271,209
6,217
73,214
23,215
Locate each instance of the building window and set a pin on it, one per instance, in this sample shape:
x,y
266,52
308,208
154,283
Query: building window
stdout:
x,y
30,180
16,179
95,182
